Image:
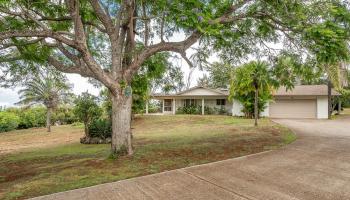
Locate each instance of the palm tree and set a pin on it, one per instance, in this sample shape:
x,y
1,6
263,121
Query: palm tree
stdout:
x,y
255,78
262,81
48,88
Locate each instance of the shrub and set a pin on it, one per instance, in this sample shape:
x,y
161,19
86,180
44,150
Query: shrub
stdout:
x,y
154,109
8,121
248,103
189,110
64,115
87,110
33,117
101,128
208,110
154,106
345,96
222,111
197,110
36,116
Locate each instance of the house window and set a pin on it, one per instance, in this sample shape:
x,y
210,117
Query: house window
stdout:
x,y
190,102
167,105
220,102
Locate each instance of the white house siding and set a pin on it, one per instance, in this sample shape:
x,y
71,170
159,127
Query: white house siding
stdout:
x,y
212,103
266,112
237,108
179,103
229,107
207,102
322,107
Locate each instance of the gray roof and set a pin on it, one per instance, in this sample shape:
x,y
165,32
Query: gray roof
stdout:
x,y
220,91
298,90
305,90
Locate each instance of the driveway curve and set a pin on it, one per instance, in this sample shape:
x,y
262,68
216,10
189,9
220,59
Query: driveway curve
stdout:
x,y
316,166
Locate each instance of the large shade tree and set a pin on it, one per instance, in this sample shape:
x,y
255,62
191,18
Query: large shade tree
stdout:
x,y
329,42
47,88
110,40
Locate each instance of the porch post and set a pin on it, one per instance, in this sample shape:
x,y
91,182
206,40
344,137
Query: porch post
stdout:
x,y
163,107
339,106
147,107
202,106
174,106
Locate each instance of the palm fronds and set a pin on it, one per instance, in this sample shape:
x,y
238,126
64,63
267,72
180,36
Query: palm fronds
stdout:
x,y
46,88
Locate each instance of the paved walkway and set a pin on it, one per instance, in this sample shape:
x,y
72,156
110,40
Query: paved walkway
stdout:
x,y
316,166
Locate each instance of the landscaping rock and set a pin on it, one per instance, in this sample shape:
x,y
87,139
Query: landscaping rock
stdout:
x,y
95,140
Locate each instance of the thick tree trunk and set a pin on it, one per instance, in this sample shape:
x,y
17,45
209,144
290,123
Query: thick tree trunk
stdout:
x,y
329,99
48,119
121,124
256,113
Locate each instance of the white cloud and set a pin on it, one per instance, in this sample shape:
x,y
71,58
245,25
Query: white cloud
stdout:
x,y
81,84
8,97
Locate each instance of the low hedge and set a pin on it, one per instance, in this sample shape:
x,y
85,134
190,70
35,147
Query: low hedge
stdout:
x,y
191,110
33,117
197,110
8,121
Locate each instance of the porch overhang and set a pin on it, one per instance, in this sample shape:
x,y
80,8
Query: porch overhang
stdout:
x,y
199,93
161,97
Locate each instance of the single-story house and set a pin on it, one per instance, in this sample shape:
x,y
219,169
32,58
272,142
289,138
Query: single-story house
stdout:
x,y
303,101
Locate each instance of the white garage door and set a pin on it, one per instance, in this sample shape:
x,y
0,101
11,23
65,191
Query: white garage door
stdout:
x,y
296,108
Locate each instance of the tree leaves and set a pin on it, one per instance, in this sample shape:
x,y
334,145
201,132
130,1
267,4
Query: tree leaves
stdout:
x,y
244,81
48,87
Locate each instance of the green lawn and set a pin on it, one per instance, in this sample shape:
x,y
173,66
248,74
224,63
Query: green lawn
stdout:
x,y
161,143
346,111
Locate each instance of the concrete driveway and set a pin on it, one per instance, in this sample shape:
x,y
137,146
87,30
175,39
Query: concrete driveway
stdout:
x,y
316,166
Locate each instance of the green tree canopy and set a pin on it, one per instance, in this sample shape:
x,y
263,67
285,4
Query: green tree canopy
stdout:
x,y
328,41
110,40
